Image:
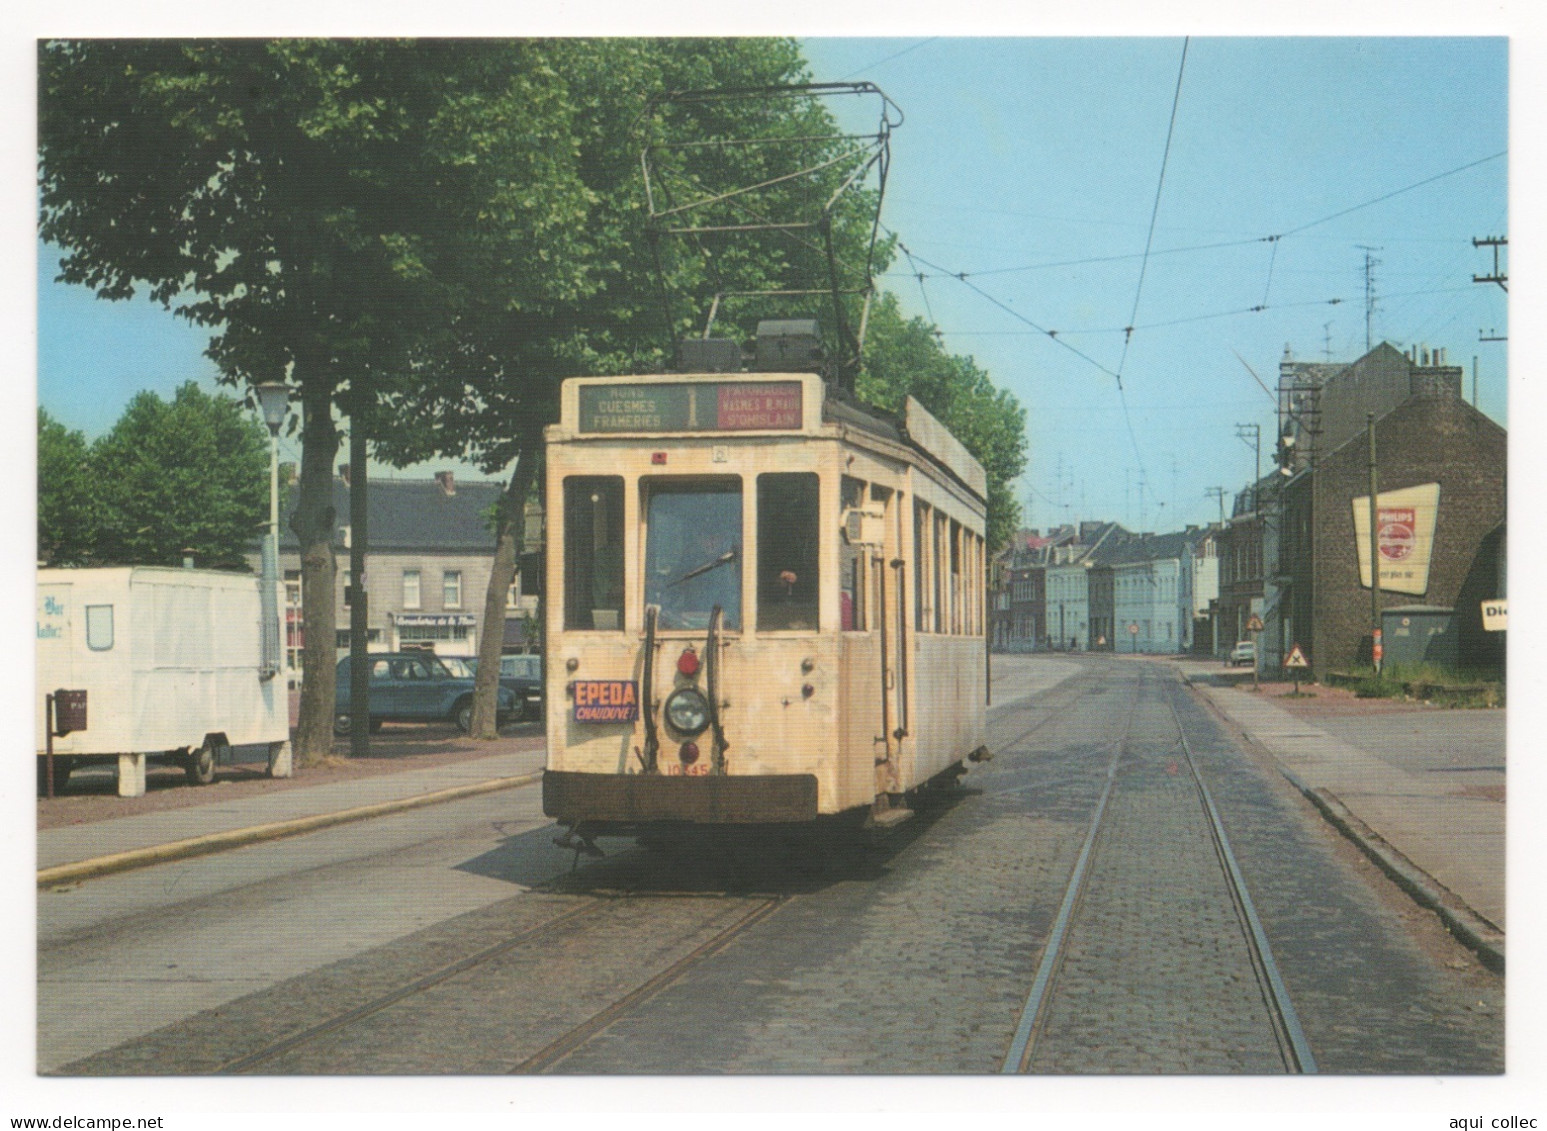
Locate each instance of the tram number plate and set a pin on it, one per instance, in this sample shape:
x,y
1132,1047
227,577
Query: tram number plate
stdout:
x,y
606,700
696,770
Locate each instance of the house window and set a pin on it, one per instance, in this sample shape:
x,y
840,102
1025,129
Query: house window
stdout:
x,y
513,595
412,598
451,589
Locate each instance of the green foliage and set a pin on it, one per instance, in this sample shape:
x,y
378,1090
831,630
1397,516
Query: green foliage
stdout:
x,y
189,474
67,503
493,369
1433,683
324,203
903,357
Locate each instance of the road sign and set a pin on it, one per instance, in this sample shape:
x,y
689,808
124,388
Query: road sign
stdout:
x,y
1255,624
1296,658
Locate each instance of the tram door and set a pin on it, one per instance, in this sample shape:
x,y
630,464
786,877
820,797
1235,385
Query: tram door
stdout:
x,y
891,590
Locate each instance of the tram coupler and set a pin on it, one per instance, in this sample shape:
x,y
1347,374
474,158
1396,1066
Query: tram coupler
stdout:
x,y
575,838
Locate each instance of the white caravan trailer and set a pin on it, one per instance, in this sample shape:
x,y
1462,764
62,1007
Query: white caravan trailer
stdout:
x,y
173,665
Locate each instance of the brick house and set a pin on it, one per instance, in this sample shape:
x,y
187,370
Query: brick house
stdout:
x,y
1433,437
1243,583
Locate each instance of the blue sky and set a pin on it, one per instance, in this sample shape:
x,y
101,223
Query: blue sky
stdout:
x,y
1034,166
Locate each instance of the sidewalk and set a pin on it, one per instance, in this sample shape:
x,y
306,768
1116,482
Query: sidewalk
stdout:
x,y
1424,800
202,827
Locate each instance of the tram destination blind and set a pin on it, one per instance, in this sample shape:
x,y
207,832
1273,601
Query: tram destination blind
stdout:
x,y
743,406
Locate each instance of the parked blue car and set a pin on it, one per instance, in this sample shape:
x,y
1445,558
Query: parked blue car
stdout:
x,y
415,687
523,674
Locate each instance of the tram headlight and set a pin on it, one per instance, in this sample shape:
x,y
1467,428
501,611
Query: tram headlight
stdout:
x,y
687,711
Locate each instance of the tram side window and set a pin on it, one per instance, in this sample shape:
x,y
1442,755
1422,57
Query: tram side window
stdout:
x,y
921,611
788,505
593,552
956,577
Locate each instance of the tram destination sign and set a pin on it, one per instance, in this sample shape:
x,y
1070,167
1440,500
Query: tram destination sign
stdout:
x,y
719,406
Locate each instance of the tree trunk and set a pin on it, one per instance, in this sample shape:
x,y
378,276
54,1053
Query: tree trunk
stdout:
x,y
509,528
313,523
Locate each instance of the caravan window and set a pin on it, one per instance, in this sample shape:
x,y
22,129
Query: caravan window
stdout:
x,y
99,627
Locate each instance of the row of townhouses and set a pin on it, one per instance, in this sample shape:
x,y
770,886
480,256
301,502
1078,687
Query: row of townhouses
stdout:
x,y
1099,587
1290,568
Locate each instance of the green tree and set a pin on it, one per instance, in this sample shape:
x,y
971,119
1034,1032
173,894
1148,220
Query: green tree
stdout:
x,y
67,501
489,379
186,474
325,206
904,357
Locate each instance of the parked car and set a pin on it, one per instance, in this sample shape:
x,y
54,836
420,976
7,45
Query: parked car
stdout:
x,y
415,687
1244,654
523,675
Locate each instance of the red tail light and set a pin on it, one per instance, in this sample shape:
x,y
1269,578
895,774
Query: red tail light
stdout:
x,y
688,754
687,663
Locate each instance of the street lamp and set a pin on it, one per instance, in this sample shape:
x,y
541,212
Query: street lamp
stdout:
x,y
274,402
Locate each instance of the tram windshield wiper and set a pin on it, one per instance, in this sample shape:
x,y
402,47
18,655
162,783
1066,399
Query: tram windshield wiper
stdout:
x,y
724,559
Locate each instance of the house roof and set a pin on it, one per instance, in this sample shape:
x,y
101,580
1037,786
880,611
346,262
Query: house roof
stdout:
x,y
1149,548
413,514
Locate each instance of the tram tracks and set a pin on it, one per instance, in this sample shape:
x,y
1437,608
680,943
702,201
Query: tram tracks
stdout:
x,y
483,963
1138,922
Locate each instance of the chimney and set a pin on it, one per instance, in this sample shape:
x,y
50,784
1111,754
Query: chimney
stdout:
x,y
447,481
343,473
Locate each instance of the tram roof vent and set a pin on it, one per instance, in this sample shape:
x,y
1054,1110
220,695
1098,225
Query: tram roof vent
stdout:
x,y
789,345
709,355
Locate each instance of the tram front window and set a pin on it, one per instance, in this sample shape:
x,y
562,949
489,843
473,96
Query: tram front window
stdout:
x,y
693,553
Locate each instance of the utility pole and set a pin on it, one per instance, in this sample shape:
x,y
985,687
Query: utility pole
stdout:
x,y
1252,434
1217,493
359,608
1376,651
1499,276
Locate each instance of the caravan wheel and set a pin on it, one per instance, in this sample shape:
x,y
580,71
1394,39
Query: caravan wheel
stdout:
x,y
200,764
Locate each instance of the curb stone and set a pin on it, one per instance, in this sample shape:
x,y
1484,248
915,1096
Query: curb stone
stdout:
x,y
1471,929
210,843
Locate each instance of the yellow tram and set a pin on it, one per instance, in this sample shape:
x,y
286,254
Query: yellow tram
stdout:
x,y
765,603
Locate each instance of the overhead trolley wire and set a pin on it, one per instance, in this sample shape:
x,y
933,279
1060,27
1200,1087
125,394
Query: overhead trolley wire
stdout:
x,y
1223,244
1165,158
1390,195
961,277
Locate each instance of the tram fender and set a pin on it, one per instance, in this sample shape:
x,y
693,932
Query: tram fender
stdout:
x,y
739,799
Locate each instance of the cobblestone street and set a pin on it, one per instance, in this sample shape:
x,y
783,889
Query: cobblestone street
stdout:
x,y
917,954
